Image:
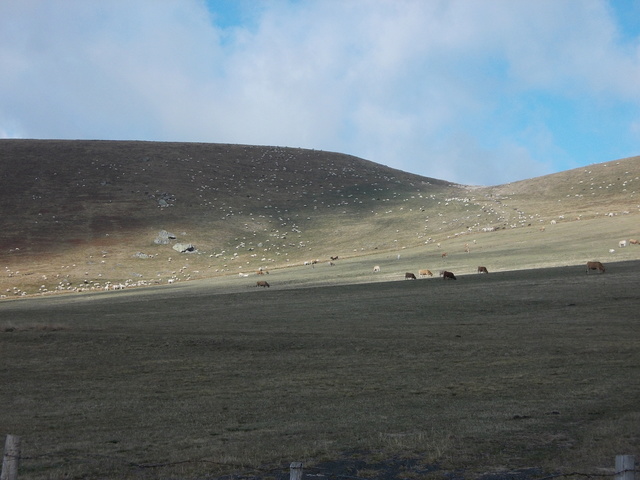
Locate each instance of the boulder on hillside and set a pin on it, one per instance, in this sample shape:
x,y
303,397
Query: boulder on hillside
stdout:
x,y
164,237
184,247
165,199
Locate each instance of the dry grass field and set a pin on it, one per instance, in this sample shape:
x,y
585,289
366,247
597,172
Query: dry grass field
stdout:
x,y
533,370
528,371
78,215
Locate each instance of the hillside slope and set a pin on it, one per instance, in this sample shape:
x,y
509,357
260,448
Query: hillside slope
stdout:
x,y
77,213
608,188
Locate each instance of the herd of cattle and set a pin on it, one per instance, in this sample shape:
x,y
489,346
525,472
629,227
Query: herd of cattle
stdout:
x,y
446,275
450,276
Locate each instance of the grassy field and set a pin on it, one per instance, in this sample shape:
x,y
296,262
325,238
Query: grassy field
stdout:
x,y
530,369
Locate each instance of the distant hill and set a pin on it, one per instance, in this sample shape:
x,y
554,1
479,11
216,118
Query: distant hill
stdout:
x,y
90,211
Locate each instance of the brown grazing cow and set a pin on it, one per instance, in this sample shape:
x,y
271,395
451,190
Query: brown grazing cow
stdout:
x,y
262,283
595,266
483,270
448,275
410,276
425,273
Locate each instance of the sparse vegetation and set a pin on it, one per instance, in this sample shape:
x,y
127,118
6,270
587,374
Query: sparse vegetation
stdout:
x,y
77,212
527,369
512,370
82,215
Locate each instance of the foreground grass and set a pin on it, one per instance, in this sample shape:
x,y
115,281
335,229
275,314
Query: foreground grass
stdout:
x,y
511,370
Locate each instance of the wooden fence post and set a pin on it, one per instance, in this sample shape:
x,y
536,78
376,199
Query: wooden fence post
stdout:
x,y
625,467
295,471
10,458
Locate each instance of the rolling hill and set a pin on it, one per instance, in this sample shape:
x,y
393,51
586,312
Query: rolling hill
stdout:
x,y
88,213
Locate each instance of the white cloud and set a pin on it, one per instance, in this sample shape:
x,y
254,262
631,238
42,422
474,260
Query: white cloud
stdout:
x,y
459,90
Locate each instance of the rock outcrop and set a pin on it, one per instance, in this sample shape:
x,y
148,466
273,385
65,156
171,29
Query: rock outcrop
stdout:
x,y
164,237
184,247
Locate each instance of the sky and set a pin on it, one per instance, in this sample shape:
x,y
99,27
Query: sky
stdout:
x,y
479,92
